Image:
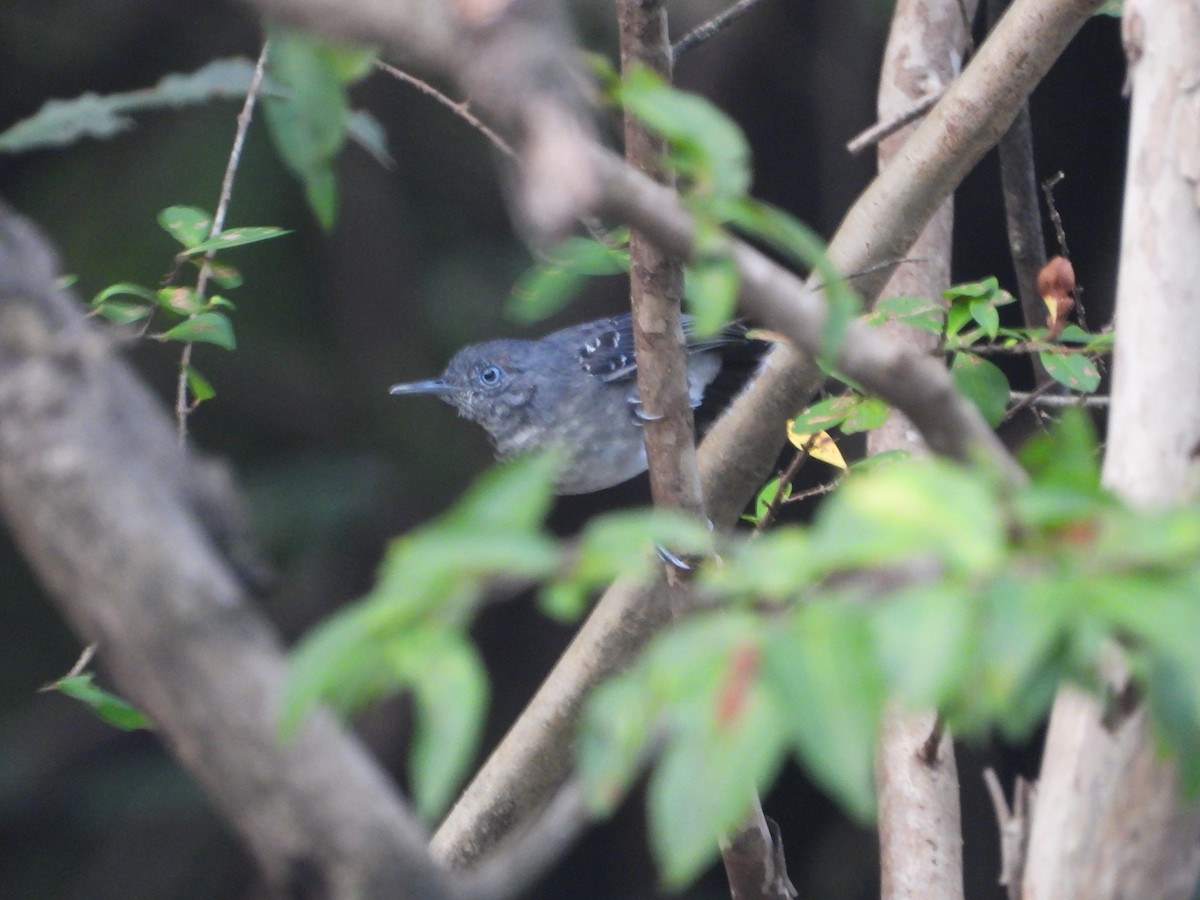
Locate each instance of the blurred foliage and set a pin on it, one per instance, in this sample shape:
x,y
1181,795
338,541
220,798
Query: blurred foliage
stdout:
x,y
990,598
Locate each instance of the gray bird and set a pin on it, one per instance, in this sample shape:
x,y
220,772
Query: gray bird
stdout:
x,y
575,390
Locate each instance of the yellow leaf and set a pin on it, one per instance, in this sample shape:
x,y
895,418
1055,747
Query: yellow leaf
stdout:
x,y
820,446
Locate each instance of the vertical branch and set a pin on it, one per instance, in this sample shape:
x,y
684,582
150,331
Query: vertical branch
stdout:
x,y
656,288
753,855
1018,181
920,836
1111,820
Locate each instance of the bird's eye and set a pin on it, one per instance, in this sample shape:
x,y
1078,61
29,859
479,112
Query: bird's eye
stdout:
x,y
490,377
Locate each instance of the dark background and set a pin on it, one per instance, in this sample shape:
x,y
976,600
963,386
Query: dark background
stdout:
x,y
418,264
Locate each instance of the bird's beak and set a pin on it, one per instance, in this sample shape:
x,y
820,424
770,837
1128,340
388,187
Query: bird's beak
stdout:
x,y
429,386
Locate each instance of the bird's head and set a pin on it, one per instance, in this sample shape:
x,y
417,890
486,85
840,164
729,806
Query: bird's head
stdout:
x,y
486,383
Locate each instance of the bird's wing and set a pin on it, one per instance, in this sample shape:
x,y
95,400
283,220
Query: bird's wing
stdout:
x,y
606,350
607,347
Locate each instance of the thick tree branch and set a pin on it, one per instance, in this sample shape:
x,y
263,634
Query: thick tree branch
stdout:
x,y
920,834
124,532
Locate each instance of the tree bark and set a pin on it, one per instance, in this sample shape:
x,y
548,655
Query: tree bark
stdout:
x,y
920,833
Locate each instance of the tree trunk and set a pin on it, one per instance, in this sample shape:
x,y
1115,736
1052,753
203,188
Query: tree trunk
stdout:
x,y
1109,820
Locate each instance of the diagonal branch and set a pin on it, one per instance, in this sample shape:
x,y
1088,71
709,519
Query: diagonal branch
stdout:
x,y
124,528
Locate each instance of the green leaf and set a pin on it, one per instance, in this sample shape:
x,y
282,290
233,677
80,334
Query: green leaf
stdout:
x,y
1067,455
823,663
349,63
235,237
801,243
983,384
766,496
1157,612
225,275
1019,662
344,661
123,313
547,287
614,738
124,289
825,414
868,414
512,497
707,147
206,328
1074,370
691,660
199,385
983,312
958,315
182,301
62,122
710,284
927,508
926,639
107,706
450,688
1166,540
622,543
1114,8
564,601
1173,689
1094,343
776,565
986,289
187,224
704,784
916,312
886,458
309,115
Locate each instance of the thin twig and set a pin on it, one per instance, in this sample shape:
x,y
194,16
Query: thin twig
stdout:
x,y
1059,401
928,753
785,479
706,30
182,407
816,491
1060,233
1014,828
462,109
1018,349
880,130
80,664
